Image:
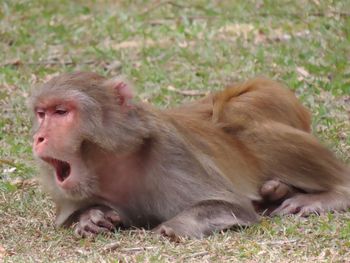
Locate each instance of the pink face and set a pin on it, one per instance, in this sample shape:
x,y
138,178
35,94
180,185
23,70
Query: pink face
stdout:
x,y
56,121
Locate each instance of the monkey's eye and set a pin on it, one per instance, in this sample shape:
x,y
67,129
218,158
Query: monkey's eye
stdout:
x,y
40,113
60,111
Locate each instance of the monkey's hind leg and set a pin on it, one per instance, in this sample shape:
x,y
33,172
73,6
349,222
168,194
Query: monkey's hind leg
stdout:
x,y
205,218
305,204
297,159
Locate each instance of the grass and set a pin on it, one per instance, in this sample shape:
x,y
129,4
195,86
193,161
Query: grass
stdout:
x,y
196,45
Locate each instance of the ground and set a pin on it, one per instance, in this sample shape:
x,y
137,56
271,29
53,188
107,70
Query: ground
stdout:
x,y
173,51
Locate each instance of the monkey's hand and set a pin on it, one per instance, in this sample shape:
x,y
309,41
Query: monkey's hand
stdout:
x,y
97,220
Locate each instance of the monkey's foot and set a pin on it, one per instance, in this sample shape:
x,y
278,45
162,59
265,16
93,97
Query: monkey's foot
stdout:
x,y
306,204
96,221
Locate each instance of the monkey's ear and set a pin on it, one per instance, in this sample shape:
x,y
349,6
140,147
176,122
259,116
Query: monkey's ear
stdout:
x,y
122,90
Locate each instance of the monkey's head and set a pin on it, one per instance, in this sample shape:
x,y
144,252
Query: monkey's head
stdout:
x,y
78,109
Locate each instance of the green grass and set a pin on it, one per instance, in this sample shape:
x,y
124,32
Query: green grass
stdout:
x,y
190,45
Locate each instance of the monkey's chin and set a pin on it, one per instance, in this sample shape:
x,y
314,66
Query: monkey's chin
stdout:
x,y
77,188
68,184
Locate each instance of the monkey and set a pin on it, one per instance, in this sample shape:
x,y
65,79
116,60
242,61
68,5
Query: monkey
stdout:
x,y
109,161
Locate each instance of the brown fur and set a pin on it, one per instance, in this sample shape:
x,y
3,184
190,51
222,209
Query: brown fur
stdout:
x,y
190,170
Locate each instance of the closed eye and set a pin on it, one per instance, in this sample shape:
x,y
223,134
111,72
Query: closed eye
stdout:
x,y
61,112
41,114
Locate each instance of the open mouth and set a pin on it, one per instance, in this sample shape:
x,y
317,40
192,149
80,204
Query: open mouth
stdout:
x,y
62,168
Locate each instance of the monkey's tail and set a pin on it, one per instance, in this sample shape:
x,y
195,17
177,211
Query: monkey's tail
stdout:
x,y
222,97
270,99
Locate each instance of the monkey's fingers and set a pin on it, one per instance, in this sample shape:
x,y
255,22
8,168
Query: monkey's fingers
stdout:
x,y
306,211
113,217
98,219
89,230
301,205
92,223
288,208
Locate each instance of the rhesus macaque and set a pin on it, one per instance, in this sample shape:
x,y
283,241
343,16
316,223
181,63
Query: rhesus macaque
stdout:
x,y
109,161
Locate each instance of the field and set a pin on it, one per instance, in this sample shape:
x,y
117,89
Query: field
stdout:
x,y
174,51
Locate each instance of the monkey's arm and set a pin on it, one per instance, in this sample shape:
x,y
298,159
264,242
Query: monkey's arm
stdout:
x,y
206,217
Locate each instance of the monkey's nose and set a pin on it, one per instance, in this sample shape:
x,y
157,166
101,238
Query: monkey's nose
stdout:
x,y
39,140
